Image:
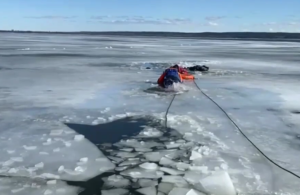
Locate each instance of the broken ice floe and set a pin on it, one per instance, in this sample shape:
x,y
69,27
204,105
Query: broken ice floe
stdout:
x,y
158,161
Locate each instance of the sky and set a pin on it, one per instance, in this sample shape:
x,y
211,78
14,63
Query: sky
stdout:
x,y
151,15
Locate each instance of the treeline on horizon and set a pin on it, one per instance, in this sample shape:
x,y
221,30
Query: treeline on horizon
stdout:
x,y
229,35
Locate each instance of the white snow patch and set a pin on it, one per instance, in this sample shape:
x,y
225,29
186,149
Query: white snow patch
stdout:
x,y
78,137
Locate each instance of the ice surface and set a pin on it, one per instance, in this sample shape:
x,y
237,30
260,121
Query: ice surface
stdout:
x,y
147,182
176,180
147,191
165,187
179,191
194,192
78,137
219,183
35,187
171,171
256,82
195,155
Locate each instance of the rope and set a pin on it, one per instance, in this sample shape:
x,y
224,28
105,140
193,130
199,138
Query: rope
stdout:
x,y
243,132
166,114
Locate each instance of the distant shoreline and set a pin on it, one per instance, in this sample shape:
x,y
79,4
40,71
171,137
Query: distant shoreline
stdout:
x,y
267,36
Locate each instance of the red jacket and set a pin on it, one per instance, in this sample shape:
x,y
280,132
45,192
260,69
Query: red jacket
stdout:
x,y
160,80
182,70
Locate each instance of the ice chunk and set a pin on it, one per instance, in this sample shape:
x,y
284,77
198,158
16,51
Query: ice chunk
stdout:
x,y
8,163
193,176
48,192
43,153
147,191
177,154
114,192
151,166
78,137
121,168
176,180
143,149
116,181
95,122
56,132
12,170
49,176
153,156
182,166
71,172
171,145
17,190
219,183
29,147
60,190
171,171
139,173
115,159
224,166
165,187
194,192
17,159
202,169
39,165
149,132
195,155
204,150
187,145
61,169
127,149
56,150
51,182
80,169
10,151
85,159
178,191
136,144
167,162
126,154
147,182
130,162
68,144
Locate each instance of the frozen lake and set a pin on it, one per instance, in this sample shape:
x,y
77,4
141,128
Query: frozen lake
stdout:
x,y
76,116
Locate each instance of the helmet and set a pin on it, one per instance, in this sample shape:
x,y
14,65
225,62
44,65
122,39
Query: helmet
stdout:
x,y
176,66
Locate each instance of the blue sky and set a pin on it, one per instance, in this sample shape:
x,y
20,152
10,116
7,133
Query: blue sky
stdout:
x,y
151,15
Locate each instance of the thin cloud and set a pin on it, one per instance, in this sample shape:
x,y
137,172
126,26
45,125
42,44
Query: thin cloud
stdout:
x,y
140,20
214,18
213,24
51,17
